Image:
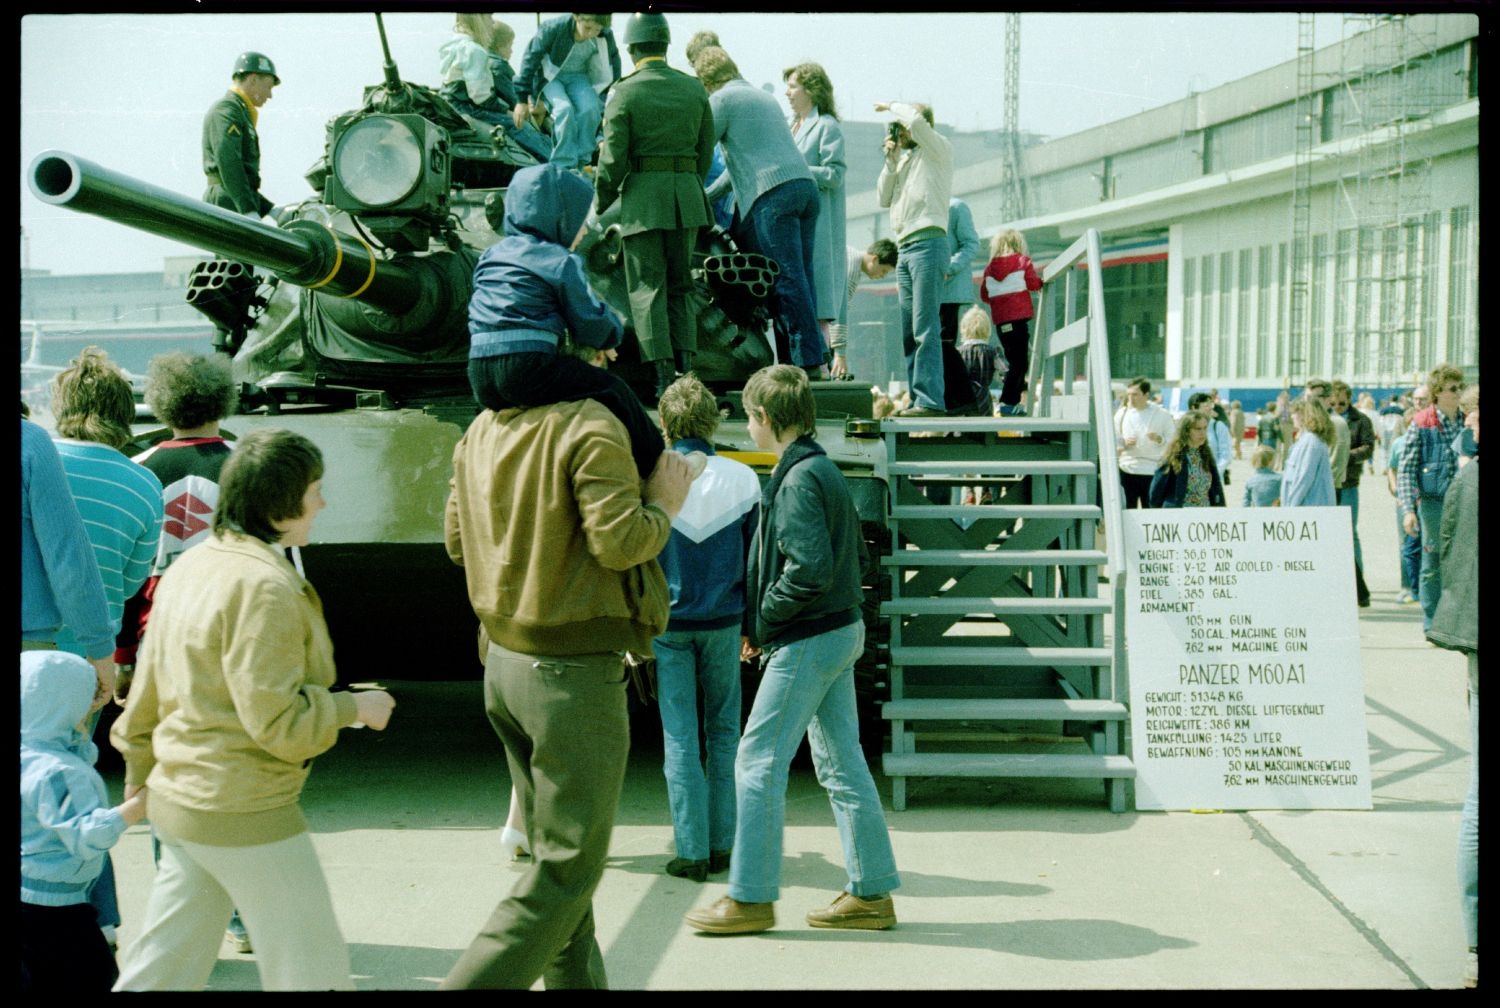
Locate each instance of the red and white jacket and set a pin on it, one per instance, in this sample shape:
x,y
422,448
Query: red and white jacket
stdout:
x,y
1006,286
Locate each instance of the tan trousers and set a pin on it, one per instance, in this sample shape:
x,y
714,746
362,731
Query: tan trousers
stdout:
x,y
282,898
566,731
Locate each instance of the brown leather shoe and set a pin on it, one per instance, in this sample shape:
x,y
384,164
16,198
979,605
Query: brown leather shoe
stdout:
x,y
851,912
729,916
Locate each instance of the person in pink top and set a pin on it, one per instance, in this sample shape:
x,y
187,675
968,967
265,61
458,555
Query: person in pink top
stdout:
x,y
1006,287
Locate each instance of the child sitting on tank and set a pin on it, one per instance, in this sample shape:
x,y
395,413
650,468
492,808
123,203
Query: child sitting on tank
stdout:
x,y
479,82
529,290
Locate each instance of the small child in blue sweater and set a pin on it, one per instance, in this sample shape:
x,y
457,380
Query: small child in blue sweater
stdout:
x,y
530,292
1263,489
67,828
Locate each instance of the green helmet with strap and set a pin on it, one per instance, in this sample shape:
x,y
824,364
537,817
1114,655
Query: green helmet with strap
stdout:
x,y
254,62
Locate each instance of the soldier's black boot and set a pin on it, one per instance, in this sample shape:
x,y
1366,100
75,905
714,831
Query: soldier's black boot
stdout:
x,y
664,376
684,361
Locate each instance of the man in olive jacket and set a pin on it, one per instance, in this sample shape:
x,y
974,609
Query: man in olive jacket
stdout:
x,y
658,145
231,147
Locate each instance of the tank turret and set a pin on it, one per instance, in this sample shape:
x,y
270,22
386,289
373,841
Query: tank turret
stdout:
x,y
369,278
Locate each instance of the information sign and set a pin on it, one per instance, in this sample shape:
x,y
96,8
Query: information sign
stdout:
x,y
1245,684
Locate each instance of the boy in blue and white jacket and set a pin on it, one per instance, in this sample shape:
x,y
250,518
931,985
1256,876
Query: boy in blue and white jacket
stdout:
x,y
67,827
529,291
704,561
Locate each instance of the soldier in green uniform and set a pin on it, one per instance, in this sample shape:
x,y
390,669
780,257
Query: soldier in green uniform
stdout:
x,y
231,147
658,144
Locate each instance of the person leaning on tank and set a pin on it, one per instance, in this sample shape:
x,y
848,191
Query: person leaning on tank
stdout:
x,y
231,145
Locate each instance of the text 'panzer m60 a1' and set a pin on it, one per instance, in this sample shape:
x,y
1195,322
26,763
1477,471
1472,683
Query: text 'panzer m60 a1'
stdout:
x,y
358,339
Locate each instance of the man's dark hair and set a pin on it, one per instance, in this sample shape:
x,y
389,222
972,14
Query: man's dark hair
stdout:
x,y
186,390
1142,383
264,480
884,251
1198,398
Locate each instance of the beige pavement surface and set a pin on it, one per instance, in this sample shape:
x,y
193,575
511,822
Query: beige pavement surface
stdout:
x,y
1006,884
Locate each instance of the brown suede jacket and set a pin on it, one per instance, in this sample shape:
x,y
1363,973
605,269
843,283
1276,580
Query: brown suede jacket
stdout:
x,y
545,516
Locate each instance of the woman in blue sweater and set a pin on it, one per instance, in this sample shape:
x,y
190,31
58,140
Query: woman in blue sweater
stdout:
x,y
775,197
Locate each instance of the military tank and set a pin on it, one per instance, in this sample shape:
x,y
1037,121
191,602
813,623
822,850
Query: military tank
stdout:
x,y
346,320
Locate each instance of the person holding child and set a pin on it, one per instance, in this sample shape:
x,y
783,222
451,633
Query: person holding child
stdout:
x,y
804,580
67,829
232,701
529,290
1006,287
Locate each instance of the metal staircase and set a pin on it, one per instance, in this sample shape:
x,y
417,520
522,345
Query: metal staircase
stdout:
x,y
1000,666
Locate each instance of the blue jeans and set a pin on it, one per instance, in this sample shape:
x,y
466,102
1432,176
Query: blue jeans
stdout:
x,y
781,224
1411,554
1430,518
919,286
808,686
702,807
1468,827
1349,498
576,115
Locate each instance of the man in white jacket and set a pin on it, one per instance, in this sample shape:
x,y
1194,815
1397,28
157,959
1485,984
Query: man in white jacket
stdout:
x,y
1142,430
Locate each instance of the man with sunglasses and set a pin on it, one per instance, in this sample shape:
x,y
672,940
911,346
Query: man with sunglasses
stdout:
x,y
1428,465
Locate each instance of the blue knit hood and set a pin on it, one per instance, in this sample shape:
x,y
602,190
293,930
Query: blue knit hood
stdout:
x,y
548,203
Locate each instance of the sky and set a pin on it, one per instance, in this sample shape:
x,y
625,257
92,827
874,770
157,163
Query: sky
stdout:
x,y
129,91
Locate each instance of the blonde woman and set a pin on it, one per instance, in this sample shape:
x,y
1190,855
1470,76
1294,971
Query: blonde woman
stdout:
x,y
1307,480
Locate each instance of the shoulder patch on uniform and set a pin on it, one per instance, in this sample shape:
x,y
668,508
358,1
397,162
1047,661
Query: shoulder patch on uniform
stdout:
x,y
233,130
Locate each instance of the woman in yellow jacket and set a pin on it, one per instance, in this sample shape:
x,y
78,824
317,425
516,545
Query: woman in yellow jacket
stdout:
x,y
230,704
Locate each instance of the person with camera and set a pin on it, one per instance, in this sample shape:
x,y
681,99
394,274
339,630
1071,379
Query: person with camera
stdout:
x,y
916,183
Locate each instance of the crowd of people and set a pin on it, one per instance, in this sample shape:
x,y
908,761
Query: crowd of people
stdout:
x,y
591,535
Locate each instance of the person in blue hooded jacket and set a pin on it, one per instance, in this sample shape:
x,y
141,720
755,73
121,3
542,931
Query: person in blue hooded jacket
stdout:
x,y
67,828
528,291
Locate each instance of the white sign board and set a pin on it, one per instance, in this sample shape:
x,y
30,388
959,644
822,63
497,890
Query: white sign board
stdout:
x,y
1245,683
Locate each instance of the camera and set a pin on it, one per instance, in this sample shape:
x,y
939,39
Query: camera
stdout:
x,y
893,132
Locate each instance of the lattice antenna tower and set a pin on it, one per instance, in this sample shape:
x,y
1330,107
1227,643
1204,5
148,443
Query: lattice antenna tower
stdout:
x,y
1013,194
1306,118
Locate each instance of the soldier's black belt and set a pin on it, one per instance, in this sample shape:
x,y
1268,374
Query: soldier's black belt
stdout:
x,y
686,165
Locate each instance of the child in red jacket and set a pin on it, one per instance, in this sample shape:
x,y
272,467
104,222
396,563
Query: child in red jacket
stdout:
x,y
1006,287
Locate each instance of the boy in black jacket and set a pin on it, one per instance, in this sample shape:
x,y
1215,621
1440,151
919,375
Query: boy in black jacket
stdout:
x,y
803,614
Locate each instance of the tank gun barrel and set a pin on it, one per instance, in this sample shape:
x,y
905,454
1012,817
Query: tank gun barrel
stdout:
x,y
304,253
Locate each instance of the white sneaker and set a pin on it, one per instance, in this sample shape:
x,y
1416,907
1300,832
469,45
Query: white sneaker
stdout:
x,y
515,842
1471,971
1405,596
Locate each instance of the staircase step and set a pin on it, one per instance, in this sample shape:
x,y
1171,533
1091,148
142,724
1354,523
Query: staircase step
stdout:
x,y
1005,765
1036,512
966,605
994,558
1060,709
994,467
1000,656
1028,424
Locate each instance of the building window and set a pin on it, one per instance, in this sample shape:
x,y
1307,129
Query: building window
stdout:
x,y
1279,326
1317,299
1424,333
1189,316
1205,316
1397,276
1226,276
1455,349
1262,310
1345,297
1242,333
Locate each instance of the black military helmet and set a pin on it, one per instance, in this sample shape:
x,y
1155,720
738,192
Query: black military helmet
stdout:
x,y
254,62
647,28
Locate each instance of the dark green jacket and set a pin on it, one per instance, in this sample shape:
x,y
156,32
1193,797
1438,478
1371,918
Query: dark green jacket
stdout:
x,y
656,113
803,573
231,158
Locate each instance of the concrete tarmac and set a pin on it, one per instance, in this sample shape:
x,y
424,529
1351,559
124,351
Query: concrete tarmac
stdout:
x,y
1006,884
